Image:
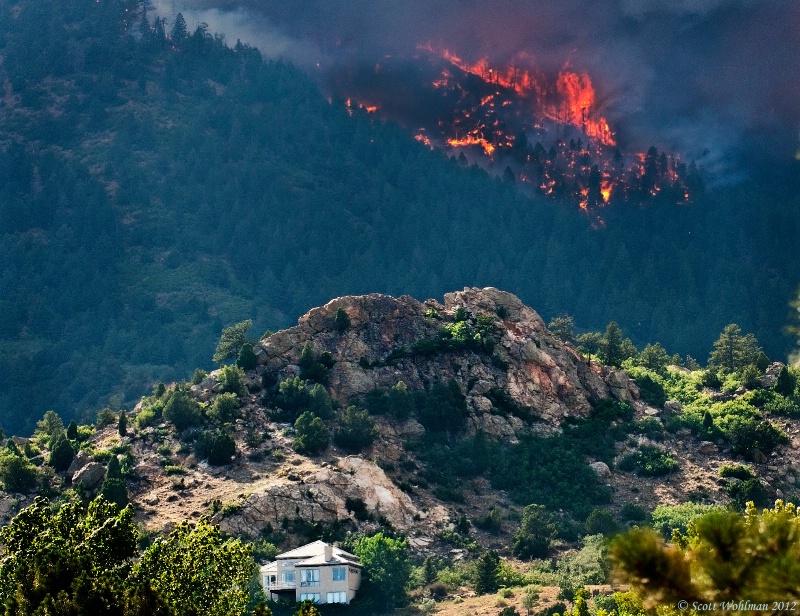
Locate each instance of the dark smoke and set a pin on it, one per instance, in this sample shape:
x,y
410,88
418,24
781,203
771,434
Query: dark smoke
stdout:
x,y
716,80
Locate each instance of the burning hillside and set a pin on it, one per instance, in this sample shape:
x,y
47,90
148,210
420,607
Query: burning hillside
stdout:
x,y
545,130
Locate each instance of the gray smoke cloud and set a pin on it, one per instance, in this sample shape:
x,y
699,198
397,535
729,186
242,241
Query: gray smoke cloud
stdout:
x,y
715,79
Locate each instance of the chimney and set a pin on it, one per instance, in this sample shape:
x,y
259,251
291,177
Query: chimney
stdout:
x,y
328,552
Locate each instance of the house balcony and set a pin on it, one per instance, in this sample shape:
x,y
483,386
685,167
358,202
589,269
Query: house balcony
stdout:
x,y
278,586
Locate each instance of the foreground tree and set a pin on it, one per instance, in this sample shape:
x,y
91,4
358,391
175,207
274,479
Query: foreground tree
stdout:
x,y
69,560
387,567
196,572
733,351
724,557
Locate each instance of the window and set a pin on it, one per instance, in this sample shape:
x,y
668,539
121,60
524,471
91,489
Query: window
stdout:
x,y
310,596
337,597
269,580
339,574
287,577
309,577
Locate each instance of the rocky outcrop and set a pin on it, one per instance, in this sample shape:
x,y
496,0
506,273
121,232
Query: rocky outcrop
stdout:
x,y
321,496
91,476
543,376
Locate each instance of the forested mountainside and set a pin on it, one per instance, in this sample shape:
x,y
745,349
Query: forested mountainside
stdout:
x,y
159,184
486,451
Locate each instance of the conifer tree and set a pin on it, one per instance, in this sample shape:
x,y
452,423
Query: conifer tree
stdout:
x,y
486,571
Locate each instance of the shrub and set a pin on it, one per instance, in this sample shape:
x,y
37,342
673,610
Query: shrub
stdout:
x,y
356,430
486,569
320,402
314,368
312,436
601,522
649,461
342,320
750,435
62,453
247,359
358,507
72,431
736,471
122,424
492,522
198,376
231,379
181,410
443,408
782,406
293,397
748,490
17,473
535,533
148,416
225,408
222,449
114,491
786,382
667,518
632,513
400,401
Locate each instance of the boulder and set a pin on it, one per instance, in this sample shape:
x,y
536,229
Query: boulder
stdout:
x,y
80,460
91,475
707,448
601,469
673,406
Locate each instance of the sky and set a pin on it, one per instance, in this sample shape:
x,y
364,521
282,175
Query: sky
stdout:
x,y
715,79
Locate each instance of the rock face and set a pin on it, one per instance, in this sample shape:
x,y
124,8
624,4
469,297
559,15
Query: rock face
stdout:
x,y
540,373
321,497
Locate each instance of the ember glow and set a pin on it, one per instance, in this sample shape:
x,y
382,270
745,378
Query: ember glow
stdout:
x,y
546,131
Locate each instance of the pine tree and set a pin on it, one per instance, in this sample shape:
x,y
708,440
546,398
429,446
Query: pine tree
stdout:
x,y
122,424
62,453
486,571
179,30
611,351
342,320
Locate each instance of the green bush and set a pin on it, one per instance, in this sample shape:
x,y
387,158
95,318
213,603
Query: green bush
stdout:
x,y
782,406
114,491
312,436
148,415
536,531
356,430
320,402
62,453
182,410
293,397
748,490
198,376
225,408
342,320
443,408
17,473
650,386
667,518
400,402
247,359
747,436
649,461
315,367
231,379
633,513
222,449
601,522
737,471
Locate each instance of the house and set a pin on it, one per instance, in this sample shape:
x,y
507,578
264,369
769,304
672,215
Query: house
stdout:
x,y
316,571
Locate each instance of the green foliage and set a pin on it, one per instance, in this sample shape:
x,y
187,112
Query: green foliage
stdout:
x,y
443,408
486,570
535,533
72,431
198,376
400,402
231,379
650,461
733,351
563,328
746,491
342,320
314,367
312,435
492,522
589,565
231,341
197,572
601,522
49,427
222,449
17,473
724,555
355,429
122,423
633,513
293,397
114,491
748,436
225,408
650,385
786,382
307,608
320,402
611,351
74,557
736,471
386,565
654,357
182,410
247,360
61,454
668,518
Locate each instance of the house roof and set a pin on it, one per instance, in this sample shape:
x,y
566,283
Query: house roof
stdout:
x,y
314,554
